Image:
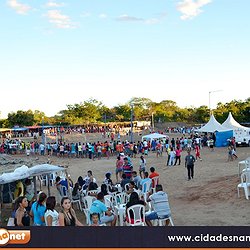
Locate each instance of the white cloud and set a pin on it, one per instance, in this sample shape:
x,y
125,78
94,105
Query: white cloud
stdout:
x,y
103,16
20,8
127,18
52,4
191,8
59,20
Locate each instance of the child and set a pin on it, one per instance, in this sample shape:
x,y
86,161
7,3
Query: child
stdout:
x,y
94,219
234,156
197,152
230,157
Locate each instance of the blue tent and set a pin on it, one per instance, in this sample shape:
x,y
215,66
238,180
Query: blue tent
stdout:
x,y
222,138
19,129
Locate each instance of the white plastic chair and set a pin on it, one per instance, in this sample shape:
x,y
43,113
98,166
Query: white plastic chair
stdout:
x,y
109,201
162,222
87,201
245,184
120,198
118,186
126,187
245,164
138,212
92,193
78,201
146,188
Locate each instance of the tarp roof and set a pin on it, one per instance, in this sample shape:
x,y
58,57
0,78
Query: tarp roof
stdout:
x,y
154,136
212,126
5,129
34,127
19,129
232,124
24,172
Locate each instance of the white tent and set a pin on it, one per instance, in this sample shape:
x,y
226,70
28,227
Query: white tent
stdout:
x,y
153,136
230,123
24,172
18,174
212,126
44,169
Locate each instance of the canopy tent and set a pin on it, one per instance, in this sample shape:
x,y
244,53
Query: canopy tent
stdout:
x,y
19,129
18,174
4,129
24,172
230,123
44,169
153,136
212,126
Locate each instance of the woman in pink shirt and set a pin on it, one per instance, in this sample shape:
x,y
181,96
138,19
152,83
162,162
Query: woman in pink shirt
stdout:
x,y
178,155
119,164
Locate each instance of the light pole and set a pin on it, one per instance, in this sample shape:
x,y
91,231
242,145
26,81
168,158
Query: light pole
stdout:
x,y
43,135
153,125
210,92
131,122
105,122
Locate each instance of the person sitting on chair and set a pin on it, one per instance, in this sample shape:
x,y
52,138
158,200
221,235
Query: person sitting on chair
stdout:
x,y
133,200
160,204
99,207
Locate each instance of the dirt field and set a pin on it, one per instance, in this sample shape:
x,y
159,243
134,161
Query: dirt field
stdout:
x,y
210,199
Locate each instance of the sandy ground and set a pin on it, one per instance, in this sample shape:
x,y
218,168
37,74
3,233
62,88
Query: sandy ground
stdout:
x,y
210,199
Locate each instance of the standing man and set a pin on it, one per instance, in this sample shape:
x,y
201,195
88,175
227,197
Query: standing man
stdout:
x,y
189,164
127,168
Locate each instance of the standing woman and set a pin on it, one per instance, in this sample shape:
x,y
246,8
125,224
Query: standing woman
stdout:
x,y
21,216
67,216
38,210
142,167
118,169
51,215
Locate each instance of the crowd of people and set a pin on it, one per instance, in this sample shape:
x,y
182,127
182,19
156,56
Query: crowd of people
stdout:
x,y
42,211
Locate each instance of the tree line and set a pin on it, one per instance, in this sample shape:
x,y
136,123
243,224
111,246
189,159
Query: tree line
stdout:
x,y
93,111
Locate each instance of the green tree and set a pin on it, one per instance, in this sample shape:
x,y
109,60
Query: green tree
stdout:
x,y
21,118
123,112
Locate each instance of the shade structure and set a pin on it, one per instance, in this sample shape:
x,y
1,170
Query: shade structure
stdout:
x,y
18,174
24,172
5,129
212,126
44,169
231,123
154,136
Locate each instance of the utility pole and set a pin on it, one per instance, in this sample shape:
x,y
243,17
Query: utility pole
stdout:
x,y
131,123
153,125
43,134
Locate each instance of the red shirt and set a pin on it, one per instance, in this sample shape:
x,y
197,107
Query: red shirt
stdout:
x,y
151,176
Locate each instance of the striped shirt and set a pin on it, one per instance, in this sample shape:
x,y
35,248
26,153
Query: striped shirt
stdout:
x,y
160,203
127,170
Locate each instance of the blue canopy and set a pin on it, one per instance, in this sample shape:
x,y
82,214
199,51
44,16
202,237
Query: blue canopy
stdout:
x,y
19,129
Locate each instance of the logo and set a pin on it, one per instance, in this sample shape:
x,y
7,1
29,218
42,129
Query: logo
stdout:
x,y
14,236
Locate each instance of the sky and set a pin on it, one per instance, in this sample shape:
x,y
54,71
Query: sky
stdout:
x,y
54,52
